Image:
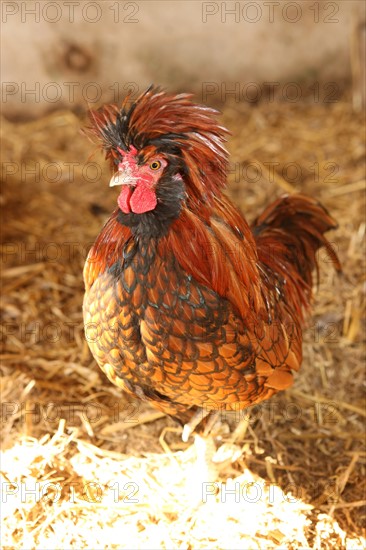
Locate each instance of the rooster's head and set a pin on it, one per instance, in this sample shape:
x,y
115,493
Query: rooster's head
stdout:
x,y
166,152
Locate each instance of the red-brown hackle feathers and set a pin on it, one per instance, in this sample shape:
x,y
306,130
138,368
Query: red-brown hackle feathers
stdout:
x,y
106,250
220,258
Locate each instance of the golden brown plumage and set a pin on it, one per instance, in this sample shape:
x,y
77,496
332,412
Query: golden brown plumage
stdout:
x,y
186,306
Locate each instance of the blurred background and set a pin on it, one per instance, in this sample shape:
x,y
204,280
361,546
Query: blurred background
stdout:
x,y
107,471
67,54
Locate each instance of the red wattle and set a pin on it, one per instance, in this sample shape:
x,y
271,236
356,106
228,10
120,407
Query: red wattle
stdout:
x,y
124,199
137,199
143,199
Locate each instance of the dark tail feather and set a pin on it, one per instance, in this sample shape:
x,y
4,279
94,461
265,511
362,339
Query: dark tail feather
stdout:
x,y
288,234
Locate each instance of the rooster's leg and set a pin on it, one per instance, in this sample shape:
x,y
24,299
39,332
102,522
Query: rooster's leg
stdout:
x,y
211,421
193,423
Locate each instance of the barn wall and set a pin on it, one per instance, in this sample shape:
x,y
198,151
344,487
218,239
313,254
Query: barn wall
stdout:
x,y
65,54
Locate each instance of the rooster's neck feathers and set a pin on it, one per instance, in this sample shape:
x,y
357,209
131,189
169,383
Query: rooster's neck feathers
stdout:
x,y
175,126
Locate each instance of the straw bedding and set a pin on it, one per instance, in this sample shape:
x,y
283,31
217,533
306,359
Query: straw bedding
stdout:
x,y
108,471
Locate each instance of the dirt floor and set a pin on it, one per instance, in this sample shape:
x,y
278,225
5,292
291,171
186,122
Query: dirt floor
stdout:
x,y
86,467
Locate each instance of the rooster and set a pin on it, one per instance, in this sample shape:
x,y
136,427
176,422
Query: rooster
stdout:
x,y
186,306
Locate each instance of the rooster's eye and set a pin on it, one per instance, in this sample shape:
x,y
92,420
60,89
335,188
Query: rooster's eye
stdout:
x,y
155,165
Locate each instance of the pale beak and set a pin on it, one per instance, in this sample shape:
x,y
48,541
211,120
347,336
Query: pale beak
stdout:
x,y
122,178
